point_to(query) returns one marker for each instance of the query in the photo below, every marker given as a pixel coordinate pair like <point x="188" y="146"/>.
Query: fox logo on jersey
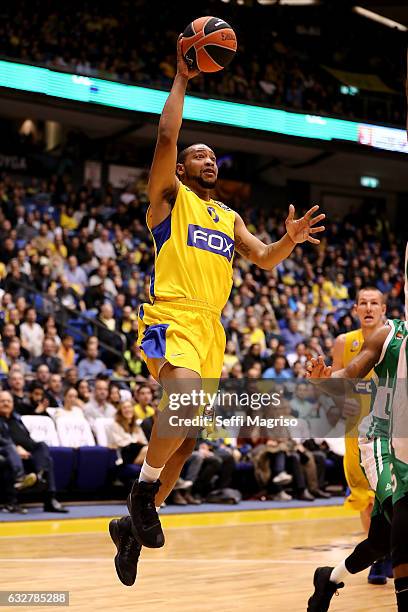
<point x="210" y="240"/>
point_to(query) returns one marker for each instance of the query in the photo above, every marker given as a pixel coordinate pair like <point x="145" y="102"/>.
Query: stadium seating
<point x="74" y="432"/>
<point x="93" y="464"/>
<point x="102" y="427"/>
<point x="41" y="429"/>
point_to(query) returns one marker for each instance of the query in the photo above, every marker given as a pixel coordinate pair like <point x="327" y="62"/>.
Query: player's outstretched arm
<point x="267" y="256"/>
<point x="163" y="183"/>
<point x="359" y="366"/>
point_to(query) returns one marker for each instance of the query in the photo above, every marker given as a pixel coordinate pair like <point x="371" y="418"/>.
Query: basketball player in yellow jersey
<point x="370" y="309"/>
<point x="180" y="332"/>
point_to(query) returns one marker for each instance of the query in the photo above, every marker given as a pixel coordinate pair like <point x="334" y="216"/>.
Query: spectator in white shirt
<point x="98" y="405"/>
<point x="128" y="436"/>
<point x="71" y="404"/>
<point x="103" y="247"/>
<point x="299" y="354"/>
<point x="31" y="333"/>
<point x="25" y="266"/>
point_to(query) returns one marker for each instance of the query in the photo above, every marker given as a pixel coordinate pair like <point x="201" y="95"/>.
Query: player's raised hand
<point x="316" y="368"/>
<point x="182" y="66"/>
<point x="302" y="230"/>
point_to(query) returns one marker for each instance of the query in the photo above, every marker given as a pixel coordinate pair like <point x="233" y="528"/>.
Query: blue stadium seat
<point x="244" y="466"/>
<point x="75" y="327"/>
<point x="243" y="479"/>
<point x="128" y="472"/>
<point x="91" y="314"/>
<point x="64" y="463"/>
<point x="38" y="302"/>
<point x="93" y="463"/>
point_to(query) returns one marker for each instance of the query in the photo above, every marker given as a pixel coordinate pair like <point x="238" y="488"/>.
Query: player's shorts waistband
<point x="185" y="303"/>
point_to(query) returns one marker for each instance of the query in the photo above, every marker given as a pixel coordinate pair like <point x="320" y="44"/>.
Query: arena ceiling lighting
<point x="379" y="18"/>
<point x="100" y="92"/>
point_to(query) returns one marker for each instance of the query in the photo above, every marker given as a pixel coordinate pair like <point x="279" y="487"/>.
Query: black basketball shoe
<point x="146" y="526"/>
<point x="128" y="549"/>
<point x="324" y="590"/>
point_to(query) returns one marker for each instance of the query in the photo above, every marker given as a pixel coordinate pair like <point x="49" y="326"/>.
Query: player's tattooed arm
<point x="266" y="256"/>
<point x="242" y="248"/>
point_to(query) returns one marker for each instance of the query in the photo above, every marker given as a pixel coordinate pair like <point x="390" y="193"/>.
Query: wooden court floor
<point x="244" y="564"/>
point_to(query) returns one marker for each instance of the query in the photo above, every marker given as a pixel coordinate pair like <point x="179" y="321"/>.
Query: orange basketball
<point x="208" y="44"/>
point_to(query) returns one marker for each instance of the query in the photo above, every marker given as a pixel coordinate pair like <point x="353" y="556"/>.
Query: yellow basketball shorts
<point x="185" y="333"/>
<point x="361" y="495"/>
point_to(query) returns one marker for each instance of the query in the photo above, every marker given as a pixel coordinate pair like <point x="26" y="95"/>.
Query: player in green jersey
<point x="383" y="442"/>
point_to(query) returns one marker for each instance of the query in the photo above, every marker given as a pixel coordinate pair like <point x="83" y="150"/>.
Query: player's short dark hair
<point x="181" y="157"/>
<point x="371" y="288"/>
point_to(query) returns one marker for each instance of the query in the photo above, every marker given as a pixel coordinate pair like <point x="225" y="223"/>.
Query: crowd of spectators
<point x="282" y="58"/>
<point x="79" y="259"/>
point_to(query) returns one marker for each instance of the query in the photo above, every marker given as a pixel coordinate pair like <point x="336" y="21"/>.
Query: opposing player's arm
<point x="163" y="183"/>
<point x="318" y="373"/>
<point x="268" y="256"/>
<point x="367" y="358"/>
<point x="338" y="352"/>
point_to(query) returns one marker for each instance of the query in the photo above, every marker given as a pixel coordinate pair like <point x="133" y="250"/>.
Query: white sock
<point x="149" y="473"/>
<point x="340" y="573"/>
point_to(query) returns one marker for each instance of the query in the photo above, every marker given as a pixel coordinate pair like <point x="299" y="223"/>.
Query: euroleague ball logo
<point x="227" y="36"/>
<point x="213" y="214"/>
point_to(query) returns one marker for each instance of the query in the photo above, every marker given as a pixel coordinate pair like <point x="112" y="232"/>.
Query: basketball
<point x="208" y="44"/>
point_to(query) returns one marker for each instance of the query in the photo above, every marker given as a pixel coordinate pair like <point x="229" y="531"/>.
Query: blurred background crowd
<point x="307" y="60"/>
<point x="75" y="265"/>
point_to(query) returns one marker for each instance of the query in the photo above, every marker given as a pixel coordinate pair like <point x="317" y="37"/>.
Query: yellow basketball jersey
<point x="352" y="347"/>
<point x="194" y="248"/>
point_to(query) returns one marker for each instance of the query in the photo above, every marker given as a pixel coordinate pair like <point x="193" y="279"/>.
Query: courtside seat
<point x="129" y="471"/>
<point x="243" y="478"/>
<point x="102" y="428"/>
<point x="41" y="429"/>
<point x="244" y="466"/>
<point x="93" y="464"/>
<point x="74" y="431"/>
<point x="64" y="464"/>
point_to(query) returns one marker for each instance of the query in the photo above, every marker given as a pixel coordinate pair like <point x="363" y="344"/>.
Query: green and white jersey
<point x="377" y="424"/>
